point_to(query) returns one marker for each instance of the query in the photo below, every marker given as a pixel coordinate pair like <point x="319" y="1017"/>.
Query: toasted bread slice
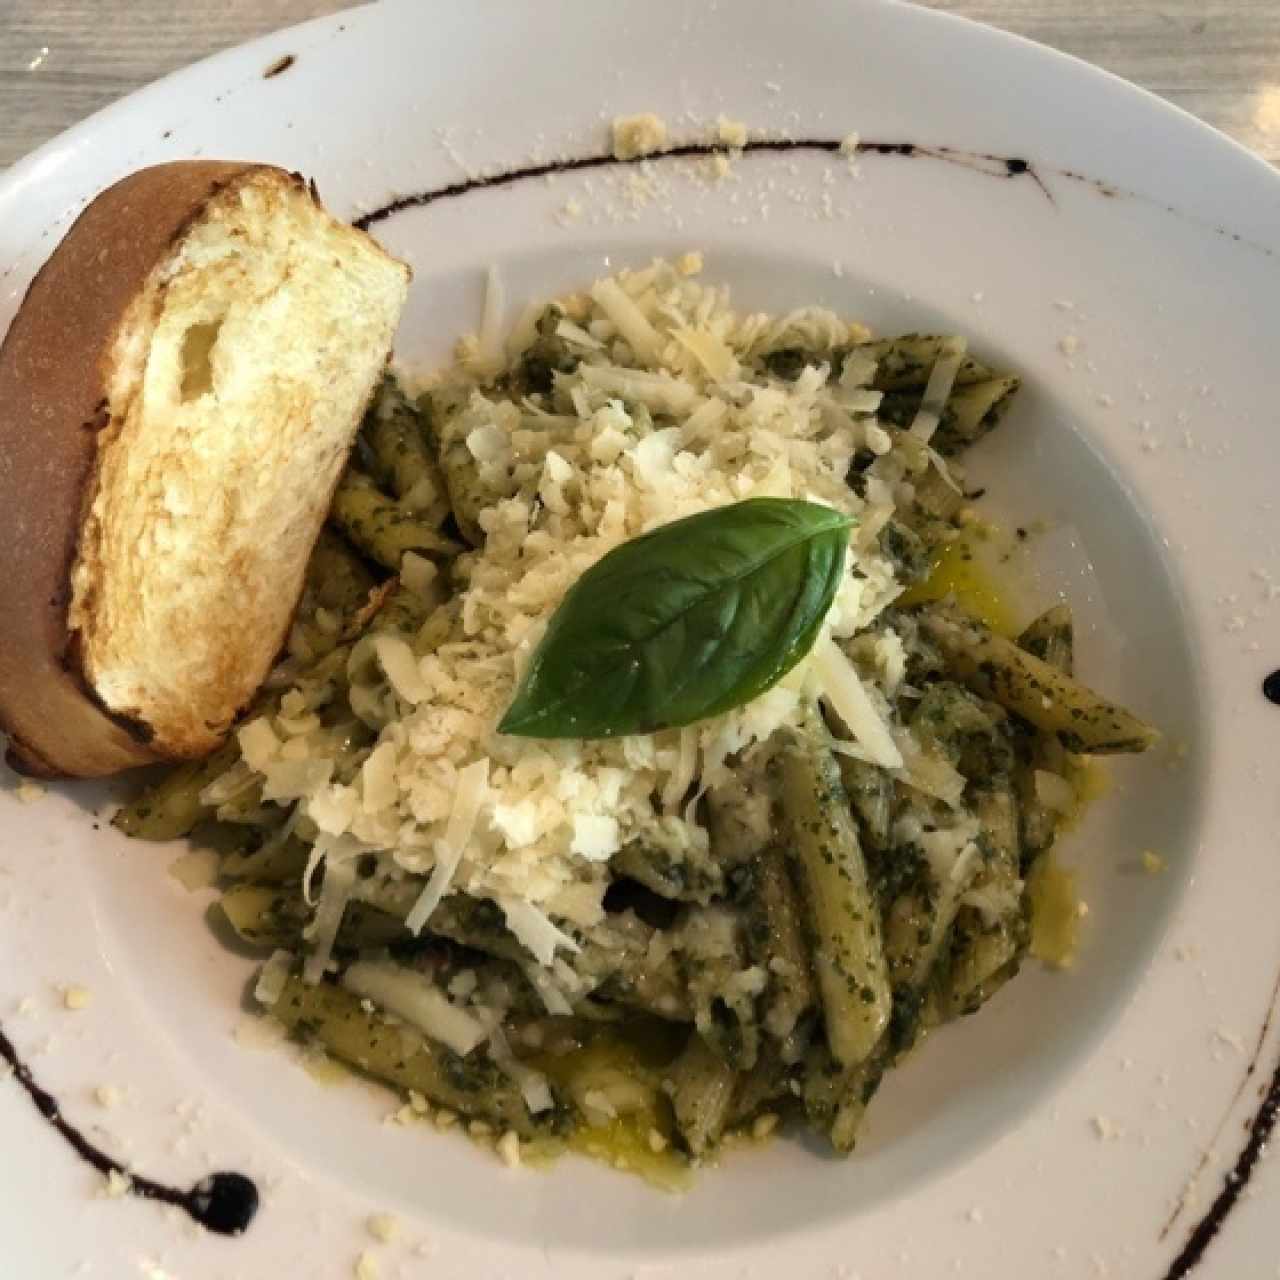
<point x="178" y="395"/>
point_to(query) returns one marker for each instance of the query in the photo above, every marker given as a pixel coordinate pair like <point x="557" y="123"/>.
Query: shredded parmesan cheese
<point x="418" y="1001"/>
<point x="938" y="389"/>
<point x="534" y="930"/>
<point x="417" y="572"/>
<point x="383" y="1226"/>
<point x="275" y="973"/>
<point x="638" y="135"/>
<point x="490" y="336"/>
<point x="339" y="877"/>
<point x="733" y="133"/>
<point x="532" y="1084"/>
<point x="657" y="419"/>
<point x="631" y="322"/>
<point x="1054" y="791"/>
<point x="711" y="353"/>
<point x="472" y="785"/>
<point x="398" y="661"/>
<point x="843" y="689"/>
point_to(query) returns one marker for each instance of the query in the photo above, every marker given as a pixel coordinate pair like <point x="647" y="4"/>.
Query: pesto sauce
<point x="960" y="569"/>
<point x="640" y="1054"/>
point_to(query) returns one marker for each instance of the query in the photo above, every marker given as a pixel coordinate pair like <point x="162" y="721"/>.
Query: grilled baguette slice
<point x="178" y="395"/>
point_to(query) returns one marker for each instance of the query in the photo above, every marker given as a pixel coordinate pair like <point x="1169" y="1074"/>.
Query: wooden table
<point x="62" y="59"/>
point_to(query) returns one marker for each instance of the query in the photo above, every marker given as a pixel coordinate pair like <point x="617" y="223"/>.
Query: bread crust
<point x="54" y="372"/>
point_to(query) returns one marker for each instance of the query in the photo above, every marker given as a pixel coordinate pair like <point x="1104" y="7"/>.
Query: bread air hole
<point x="197" y="365"/>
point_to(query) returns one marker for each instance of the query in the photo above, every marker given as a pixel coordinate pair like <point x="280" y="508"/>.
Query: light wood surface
<point x="62" y="59"/>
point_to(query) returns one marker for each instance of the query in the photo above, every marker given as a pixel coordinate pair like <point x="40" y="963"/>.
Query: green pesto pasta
<point x="638" y="946"/>
<point x="842" y="919"/>
<point x="372" y="522"/>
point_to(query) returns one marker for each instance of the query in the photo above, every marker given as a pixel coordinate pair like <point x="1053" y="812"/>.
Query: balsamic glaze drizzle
<point x="1202" y="1234"/>
<point x="979" y="161"/>
<point x="984" y="162"/>
<point x="223" y="1202"/>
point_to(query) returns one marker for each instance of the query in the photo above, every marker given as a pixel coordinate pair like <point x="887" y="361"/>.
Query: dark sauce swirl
<point x="980" y="161"/>
<point x="222" y="1202"/>
<point x="1233" y="1185"/>
<point x="1271" y="688"/>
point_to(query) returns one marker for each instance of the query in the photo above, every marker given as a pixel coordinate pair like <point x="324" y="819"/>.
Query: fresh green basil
<point x="686" y="622"/>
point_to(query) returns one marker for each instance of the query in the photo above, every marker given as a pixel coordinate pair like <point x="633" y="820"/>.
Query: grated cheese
<point x="710" y="352"/>
<point x="509" y="1149"/>
<point x="733" y="133"/>
<point x="447" y="805"/>
<point x="931" y="774"/>
<point x="552" y="996"/>
<point x="532" y="1084"/>
<point x="524" y="331"/>
<point x="941" y="379"/>
<point x="630" y="321"/>
<point x="259" y="746"/>
<point x="1054" y="791"/>
<point x="339" y="879"/>
<point x="417" y="573"/>
<point x="685" y="770"/>
<point x="595" y="836"/>
<point x="29" y="792"/>
<point x="379" y="787"/>
<point x="472" y="785"/>
<point x="489" y="339"/>
<point x="658" y="392"/>
<point x="843" y="689"/>
<point x="418" y="1001"/>
<point x="383" y="1226"/>
<point x="638" y="135"/>
<point x="271" y="980"/>
<point x="108" y="1096"/>
<point x="397" y="659"/>
<point x="535" y="930"/>
<point x="575" y="333"/>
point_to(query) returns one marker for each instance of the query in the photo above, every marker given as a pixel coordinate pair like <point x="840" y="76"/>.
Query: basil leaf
<point x="685" y="622"/>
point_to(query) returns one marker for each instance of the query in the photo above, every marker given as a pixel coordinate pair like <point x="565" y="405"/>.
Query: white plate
<point x="1057" y="1133"/>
